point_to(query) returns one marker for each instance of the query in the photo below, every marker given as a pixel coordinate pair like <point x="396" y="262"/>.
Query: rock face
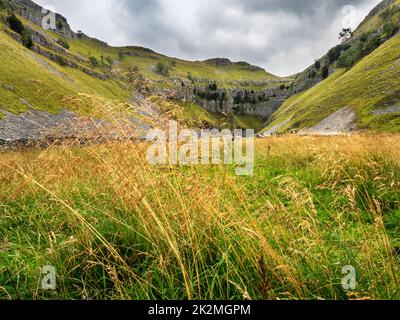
<point x="342" y="121"/>
<point x="35" y="13"/>
<point x="257" y="103"/>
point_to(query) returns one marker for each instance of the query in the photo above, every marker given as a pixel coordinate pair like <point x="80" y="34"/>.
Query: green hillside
<point x="369" y="87"/>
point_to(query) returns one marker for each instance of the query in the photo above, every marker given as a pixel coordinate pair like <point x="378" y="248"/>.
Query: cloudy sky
<point x="282" y="36"/>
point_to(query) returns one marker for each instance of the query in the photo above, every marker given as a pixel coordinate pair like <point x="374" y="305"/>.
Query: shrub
<point x="60" y="25"/>
<point x="317" y="64"/>
<point x="134" y="69"/>
<point x="334" y="53"/>
<point x="390" y="29"/>
<point x="350" y="57"/>
<point x="238" y="99"/>
<point x="325" y="72"/>
<point x="372" y="42"/>
<point x="62" y="61"/>
<point x="162" y="69"/>
<point x="15" y="24"/>
<point x="27" y="39"/>
<point x="93" y="61"/>
<point x="62" y="42"/>
<point x="3" y="4"/>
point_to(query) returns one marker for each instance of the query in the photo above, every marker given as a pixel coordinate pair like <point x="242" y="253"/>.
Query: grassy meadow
<point x="116" y="228"/>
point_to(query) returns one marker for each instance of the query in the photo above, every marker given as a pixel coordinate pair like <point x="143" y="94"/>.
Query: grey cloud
<point x="283" y="36"/>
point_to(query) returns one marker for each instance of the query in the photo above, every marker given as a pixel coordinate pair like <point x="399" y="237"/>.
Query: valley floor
<point x="116" y="228"/>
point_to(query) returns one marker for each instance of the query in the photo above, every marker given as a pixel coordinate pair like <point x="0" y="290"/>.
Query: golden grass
<point x="117" y="228"/>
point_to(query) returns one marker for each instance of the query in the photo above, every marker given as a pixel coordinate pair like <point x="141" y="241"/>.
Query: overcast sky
<point x="282" y="36"/>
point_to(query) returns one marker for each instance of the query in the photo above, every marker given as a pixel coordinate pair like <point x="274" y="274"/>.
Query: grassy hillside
<point x="28" y="79"/>
<point x="371" y="84"/>
<point x="128" y="57"/>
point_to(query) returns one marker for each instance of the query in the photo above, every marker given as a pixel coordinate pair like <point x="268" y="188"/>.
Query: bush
<point x="62" y="42"/>
<point x="367" y="44"/>
<point x="238" y="99"/>
<point x="93" y="61"/>
<point x="325" y="72"/>
<point x="60" y="25"/>
<point x="317" y="64"/>
<point x="3" y="4"/>
<point x="62" y="61"/>
<point x="162" y="69"/>
<point x="27" y="39"/>
<point x="15" y="24"/>
<point x="334" y="54"/>
<point x="350" y="57"/>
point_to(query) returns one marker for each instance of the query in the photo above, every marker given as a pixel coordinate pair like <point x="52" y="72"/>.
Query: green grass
<point x="371" y="84"/>
<point x="117" y="228"/>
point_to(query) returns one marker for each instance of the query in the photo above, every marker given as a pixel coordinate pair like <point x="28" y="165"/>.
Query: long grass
<point x="116" y="228"/>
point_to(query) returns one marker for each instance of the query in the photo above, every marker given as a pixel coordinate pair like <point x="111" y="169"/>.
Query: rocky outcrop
<point x="390" y="110"/>
<point x="342" y="121"/>
<point x="258" y="103"/>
